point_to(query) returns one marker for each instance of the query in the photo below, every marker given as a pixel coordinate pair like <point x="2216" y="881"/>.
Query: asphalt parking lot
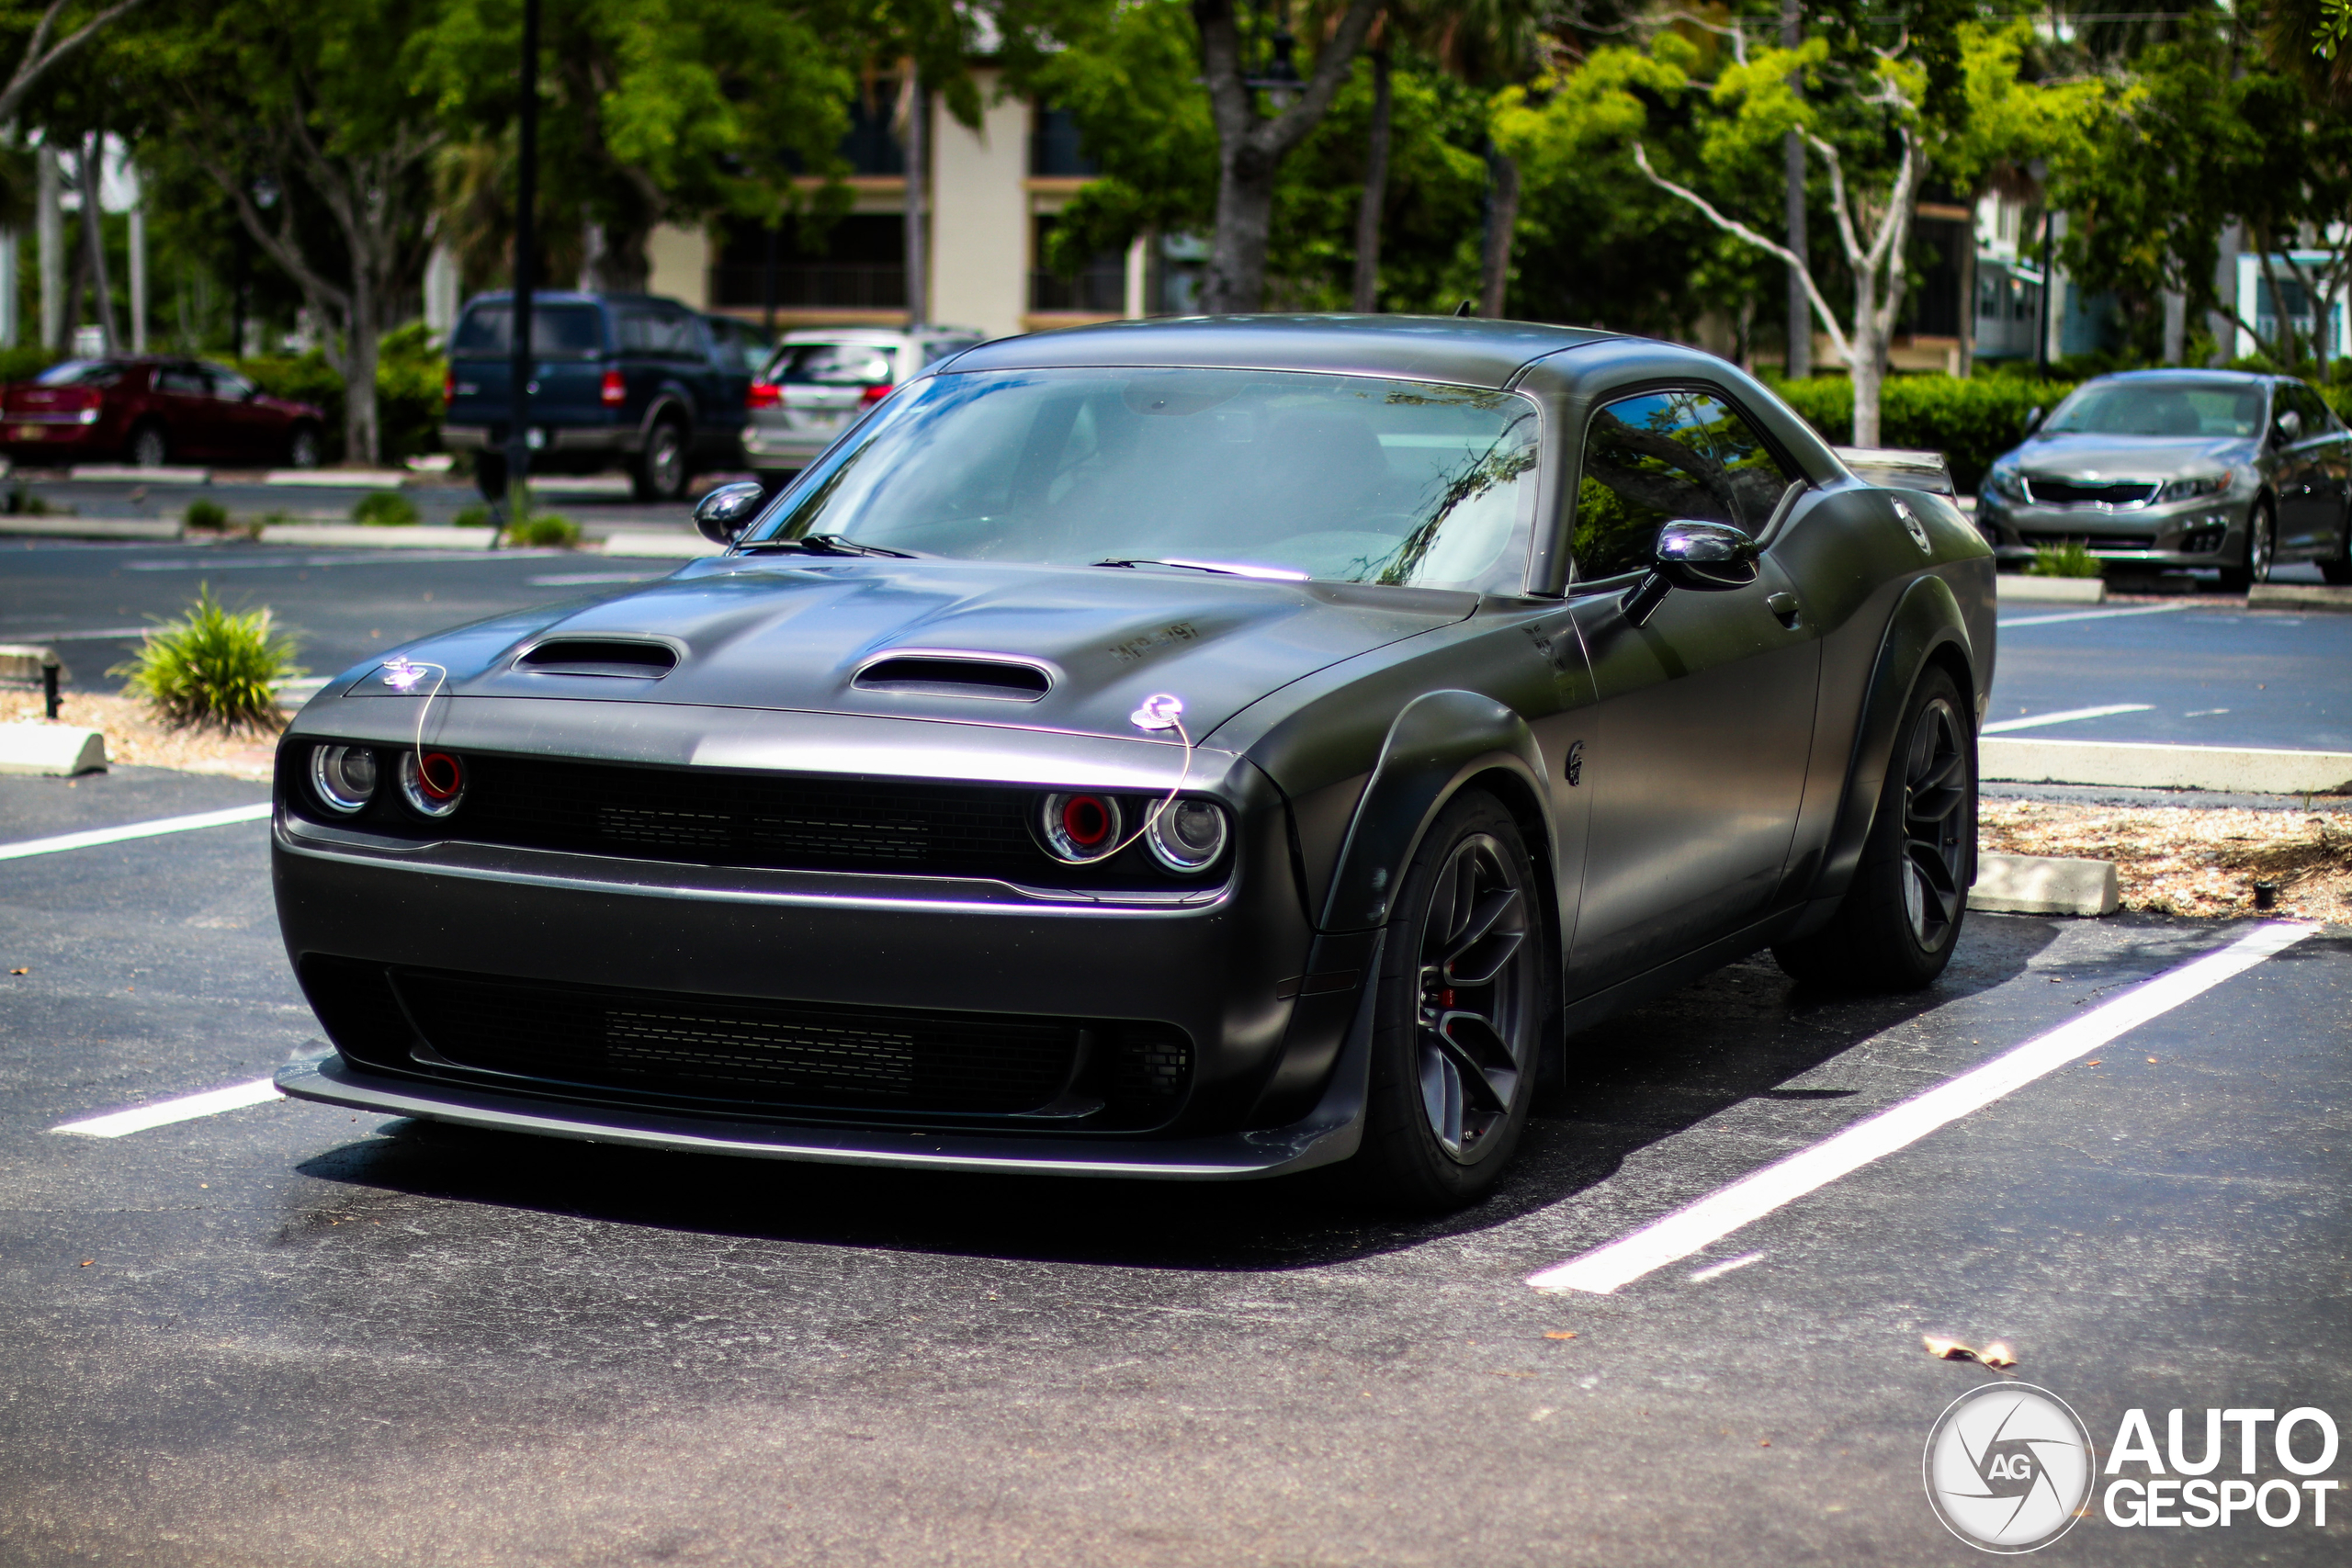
<point x="284" y="1334"/>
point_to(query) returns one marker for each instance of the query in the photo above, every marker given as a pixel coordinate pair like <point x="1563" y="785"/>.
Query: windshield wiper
<point x="827" y="545"/>
<point x="1223" y="569"/>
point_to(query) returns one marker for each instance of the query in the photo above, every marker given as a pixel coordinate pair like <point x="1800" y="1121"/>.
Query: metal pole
<point x="767" y="282"/>
<point x="526" y="196"/>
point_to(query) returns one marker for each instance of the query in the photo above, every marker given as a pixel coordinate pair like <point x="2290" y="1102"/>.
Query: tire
<point x="661" y="471"/>
<point x="1454" y="1065"/>
<point x="1900" y="920"/>
<point x="302" y="449"/>
<point x="490" y="475"/>
<point x="147" y="446"/>
<point x="2261" y="550"/>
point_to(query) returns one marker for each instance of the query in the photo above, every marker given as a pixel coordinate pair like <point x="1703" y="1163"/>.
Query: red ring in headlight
<point x="440" y="775"/>
<point x="1086" y="819"/>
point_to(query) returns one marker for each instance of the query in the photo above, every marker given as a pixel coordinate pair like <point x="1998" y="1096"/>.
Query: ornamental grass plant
<point x="546" y="528"/>
<point x="385" y="509"/>
<point x="2067" y="558"/>
<point x="213" y="668"/>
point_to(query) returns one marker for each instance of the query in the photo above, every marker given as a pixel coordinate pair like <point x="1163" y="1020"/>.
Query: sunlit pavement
<point x="283" y="1334"/>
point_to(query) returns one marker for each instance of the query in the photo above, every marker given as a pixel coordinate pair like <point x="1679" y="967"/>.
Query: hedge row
<point x="1971" y="422"/>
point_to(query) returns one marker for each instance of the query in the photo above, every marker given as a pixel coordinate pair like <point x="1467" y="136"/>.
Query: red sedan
<point x="152" y="411"/>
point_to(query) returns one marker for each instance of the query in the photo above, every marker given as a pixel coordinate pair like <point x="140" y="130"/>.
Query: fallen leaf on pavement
<point x="1559" y="1334"/>
<point x="1996" y="1355"/>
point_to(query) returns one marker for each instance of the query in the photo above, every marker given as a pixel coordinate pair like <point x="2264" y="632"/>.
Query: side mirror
<point x="2289" y="426"/>
<point x="725" y="511"/>
<point x="1703" y="557"/>
<point x="2032" y="420"/>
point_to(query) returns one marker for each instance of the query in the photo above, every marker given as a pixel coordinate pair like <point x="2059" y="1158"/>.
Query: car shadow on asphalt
<point x="1644" y="1075"/>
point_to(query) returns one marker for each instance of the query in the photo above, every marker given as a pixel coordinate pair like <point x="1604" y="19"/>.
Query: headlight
<point x="342" y="777"/>
<point x="1078" y="827"/>
<point x="2005" y="483"/>
<point x="434" y="784"/>
<point x="2190" y="489"/>
<point x="1188" y="835"/>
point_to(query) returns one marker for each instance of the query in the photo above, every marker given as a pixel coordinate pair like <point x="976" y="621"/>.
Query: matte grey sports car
<point x="1200" y="749"/>
<point x="2182" y="468"/>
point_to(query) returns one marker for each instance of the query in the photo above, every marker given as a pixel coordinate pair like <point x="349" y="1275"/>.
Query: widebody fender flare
<point x="1440" y="740"/>
<point x="1927" y="619"/>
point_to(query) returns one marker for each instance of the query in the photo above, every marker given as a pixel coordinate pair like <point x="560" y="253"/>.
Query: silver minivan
<point x="821" y="378"/>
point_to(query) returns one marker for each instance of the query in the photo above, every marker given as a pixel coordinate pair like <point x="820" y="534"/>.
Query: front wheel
<point x="2337" y="571"/>
<point x="1462" y="1002"/>
<point x="2261" y="546"/>
<point x="1900" y="920"/>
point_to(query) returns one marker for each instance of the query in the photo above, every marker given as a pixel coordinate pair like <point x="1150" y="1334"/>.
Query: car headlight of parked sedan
<point x="2005" y="483"/>
<point x="2190" y="487"/>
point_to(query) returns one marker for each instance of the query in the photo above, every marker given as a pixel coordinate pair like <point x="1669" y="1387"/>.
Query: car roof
<point x="1461" y="350"/>
<point x="878" y="335"/>
<point x="2192" y="373"/>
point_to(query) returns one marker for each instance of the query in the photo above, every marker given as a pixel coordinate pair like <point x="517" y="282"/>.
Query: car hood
<point x="2096" y="458"/>
<point x="795" y="634"/>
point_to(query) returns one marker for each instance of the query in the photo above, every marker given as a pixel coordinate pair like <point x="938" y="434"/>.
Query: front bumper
<point x="2207" y="531"/>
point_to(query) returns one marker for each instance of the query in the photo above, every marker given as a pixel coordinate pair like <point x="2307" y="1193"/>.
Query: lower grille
<point x="751" y="1055"/>
<point x="2085" y="492"/>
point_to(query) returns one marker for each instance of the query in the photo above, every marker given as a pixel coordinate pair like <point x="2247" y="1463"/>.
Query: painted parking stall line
<point x="161" y="825"/>
<point x="1701" y="1224"/>
<point x="2093" y="616"/>
<point x="163" y="1112"/>
<point x="2035" y="721"/>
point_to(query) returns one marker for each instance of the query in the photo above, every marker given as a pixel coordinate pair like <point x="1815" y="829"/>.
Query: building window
<point x="1099" y="290"/>
<point x="1054" y="150"/>
<point x="857" y="263"/>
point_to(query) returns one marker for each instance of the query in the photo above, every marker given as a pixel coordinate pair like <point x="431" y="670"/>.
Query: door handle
<point x="1784" y="609"/>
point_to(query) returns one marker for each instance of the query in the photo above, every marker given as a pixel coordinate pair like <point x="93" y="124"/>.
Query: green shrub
<point x="385" y="509"/>
<point x="23" y="502"/>
<point x="24" y="363"/>
<point x="1971" y="422"/>
<point x="209" y="515"/>
<point x="474" y="516"/>
<point x="547" y="529"/>
<point x="2067" y="558"/>
<point x="214" y="669"/>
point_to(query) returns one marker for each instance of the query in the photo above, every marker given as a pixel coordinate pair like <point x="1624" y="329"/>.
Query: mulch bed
<point x="2192" y="861"/>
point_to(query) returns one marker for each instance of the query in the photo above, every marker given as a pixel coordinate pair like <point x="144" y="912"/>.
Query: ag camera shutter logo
<point x="2009" y="1467"/>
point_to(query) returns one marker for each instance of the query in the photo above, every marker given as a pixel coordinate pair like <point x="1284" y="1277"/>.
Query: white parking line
<point x="1717" y="1270"/>
<point x="2095" y="615"/>
<point x="161" y="825"/>
<point x="163" y="1112"/>
<point x="2036" y="721"/>
<point x="582" y="579"/>
<point x="1715" y="1216"/>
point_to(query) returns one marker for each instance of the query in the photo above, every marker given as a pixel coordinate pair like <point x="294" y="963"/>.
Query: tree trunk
<point x="1375" y="188"/>
<point x="1502" y="225"/>
<point x="1797" y="361"/>
<point x="94" y="238"/>
<point x="362" y="440"/>
<point x="1236" y="280"/>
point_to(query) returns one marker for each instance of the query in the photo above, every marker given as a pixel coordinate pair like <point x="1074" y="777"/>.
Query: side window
<point x="1665" y="457"/>
<point x="666" y="334"/>
<point x="228" y="385"/>
<point x="2317" y="419"/>
<point x="182" y="379"/>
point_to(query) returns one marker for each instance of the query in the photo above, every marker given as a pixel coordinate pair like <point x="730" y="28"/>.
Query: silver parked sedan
<point x="822" y="380"/>
<point x="2214" y="468"/>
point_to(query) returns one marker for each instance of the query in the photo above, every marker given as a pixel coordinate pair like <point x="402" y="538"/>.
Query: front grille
<point x="752" y="1055"/>
<point x="2047" y="492"/>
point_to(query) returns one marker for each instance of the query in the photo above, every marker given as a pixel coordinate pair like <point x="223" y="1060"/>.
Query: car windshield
<point x="82" y="372"/>
<point x="557" y="330"/>
<point x="832" y="364"/>
<point x="1266" y="473"/>
<point x="2161" y="407"/>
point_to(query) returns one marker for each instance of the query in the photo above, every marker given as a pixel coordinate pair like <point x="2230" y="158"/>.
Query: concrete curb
<point x="360" y="536"/>
<point x="56" y="750"/>
<point x="2016" y="587"/>
<point x="125" y="473"/>
<point x="2137" y="765"/>
<point x="88" y="528"/>
<point x="2044" y="885"/>
<point x="338" y="478"/>
<point x="2297" y="596"/>
<point x="664" y="545"/>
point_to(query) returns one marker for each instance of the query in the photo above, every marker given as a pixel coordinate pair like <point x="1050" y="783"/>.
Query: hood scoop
<point x="956" y="675"/>
<point x="600" y="655"/>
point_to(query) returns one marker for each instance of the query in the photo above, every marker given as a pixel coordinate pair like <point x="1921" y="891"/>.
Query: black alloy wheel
<point x="148" y="449"/>
<point x="662" y="466"/>
<point x="1899" y="921"/>
<point x="1462" y="1006"/>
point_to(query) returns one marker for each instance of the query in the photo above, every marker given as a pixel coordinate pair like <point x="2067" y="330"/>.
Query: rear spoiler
<point x="1898" y="469"/>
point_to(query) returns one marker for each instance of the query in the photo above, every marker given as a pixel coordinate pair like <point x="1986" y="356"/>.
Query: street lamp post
<point x="526" y="150"/>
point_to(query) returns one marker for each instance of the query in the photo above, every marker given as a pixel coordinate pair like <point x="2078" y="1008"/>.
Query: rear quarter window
<point x="557" y="330"/>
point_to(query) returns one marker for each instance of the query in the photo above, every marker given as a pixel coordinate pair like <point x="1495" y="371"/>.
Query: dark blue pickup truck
<point x="628" y="381"/>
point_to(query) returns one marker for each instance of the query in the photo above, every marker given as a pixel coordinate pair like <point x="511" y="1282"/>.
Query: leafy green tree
<point x="44" y="37"/>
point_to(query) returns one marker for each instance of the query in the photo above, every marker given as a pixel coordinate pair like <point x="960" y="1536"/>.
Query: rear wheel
<point x="1901" y="919"/>
<point x="148" y="449"/>
<point x="1461" y="1002"/>
<point x="661" y="468"/>
<point x="2261" y="544"/>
